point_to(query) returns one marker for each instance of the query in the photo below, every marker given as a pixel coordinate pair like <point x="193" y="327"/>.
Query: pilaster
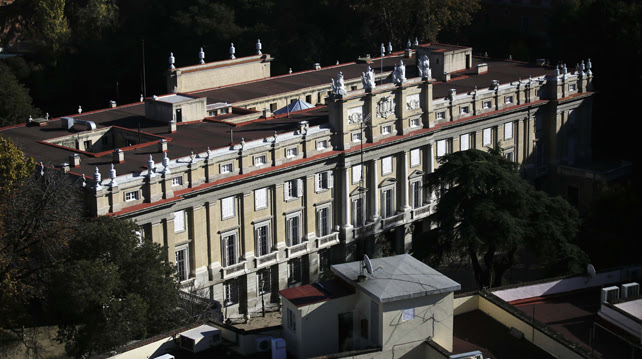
<point x="374" y="193"/>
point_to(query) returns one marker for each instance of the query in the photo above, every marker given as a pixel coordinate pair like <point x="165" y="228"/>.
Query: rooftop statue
<point x="338" y="86"/>
<point x="368" y="79"/>
<point x="399" y="74"/>
<point x="424" y="67"/>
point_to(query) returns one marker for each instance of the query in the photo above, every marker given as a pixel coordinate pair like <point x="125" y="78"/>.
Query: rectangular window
<point x="293" y="189"/>
<point x="571" y="117"/>
<point x="182" y="264"/>
<point x="323" y="181"/>
<point x="415" y="157"/>
<point x="177" y="181"/>
<point x="264" y="281"/>
<point x="510" y="155"/>
<point x="487" y="104"/>
<point x="417" y="194"/>
<point x="386" y="165"/>
<point x="322" y="145"/>
<point x="179" y="221"/>
<point x="508" y="99"/>
<point x="358" y="212"/>
<point x="323" y="222"/>
<point x="260" y="160"/>
<point x="230" y="252"/>
<point x="441" y="148"/>
<point x="356" y="137"/>
<point x="387" y="203"/>
<point x="291" y="152"/>
<point x="131" y="196"/>
<point x="291" y="320"/>
<point x="231" y="292"/>
<point x="228" y="167"/>
<point x="415" y="122"/>
<point x="385" y="130"/>
<point x="262" y="234"/>
<point x="441" y="115"/>
<point x="487" y="136"/>
<point x="293" y="229"/>
<point x="227" y="207"/>
<point x="464" y="110"/>
<point x="273" y="107"/>
<point x="295" y="271"/>
<point x="572" y="87"/>
<point x="260" y="199"/>
<point x="356" y="173"/>
<point x="464" y="142"/>
<point x="324" y="261"/>
<point x="508" y="130"/>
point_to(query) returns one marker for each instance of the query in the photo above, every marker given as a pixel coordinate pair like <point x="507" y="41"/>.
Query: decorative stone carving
<point x="338" y="86"/>
<point x="368" y="79"/>
<point x="172" y="60"/>
<point x="259" y="47"/>
<point x="355" y="115"/>
<point x="412" y="102"/>
<point x="416" y="42"/>
<point x="97" y="180"/>
<point x="399" y="74"/>
<point x="424" y="67"/>
<point x="386" y="107"/>
<point x="389" y="47"/>
<point x="408" y="45"/>
<point x="232" y="51"/>
<point x="588" y="67"/>
<point x="383" y="50"/>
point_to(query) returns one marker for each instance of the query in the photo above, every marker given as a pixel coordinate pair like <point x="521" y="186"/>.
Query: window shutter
<point x="317" y="179"/>
<point x="330" y="179"/>
<point x="463" y="142"/>
<point x="299" y="188"/>
<point x="486" y="135"/>
<point x="286" y="189"/>
<point x="415" y="157"/>
<point x="441" y="148"/>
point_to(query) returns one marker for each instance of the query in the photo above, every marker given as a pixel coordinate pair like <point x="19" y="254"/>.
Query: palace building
<point x="248" y="203"/>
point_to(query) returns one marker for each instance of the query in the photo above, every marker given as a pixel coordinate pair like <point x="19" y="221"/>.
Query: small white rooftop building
<point x="394" y="310"/>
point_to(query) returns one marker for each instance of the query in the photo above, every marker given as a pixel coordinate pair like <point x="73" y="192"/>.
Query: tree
<point x="112" y="289"/>
<point x="486" y="214"/>
<point x="51" y="28"/>
<point x="15" y="102"/>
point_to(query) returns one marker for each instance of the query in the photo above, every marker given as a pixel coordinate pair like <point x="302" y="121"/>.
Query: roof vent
<point x="118" y="156"/>
<point x="68" y="123"/>
<point x="74" y="160"/>
<point x="316" y="66"/>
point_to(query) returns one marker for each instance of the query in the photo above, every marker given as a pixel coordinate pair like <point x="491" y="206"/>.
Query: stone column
<point x="345" y="197"/>
<point x="374" y="191"/>
<point x="404" y="182"/>
<point x="199" y="244"/>
<point x="253" y="300"/>
<point x="308" y="229"/>
<point x="169" y="238"/>
<point x="246" y="232"/>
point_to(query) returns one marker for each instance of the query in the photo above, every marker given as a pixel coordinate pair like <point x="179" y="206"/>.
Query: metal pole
<point x="144" y="78"/>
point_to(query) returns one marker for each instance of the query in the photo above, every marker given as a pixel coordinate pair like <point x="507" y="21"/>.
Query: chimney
<point x="74" y="160"/>
<point x="162" y="145"/>
<point x="118" y="156"/>
<point x="65" y="167"/>
<point x="112" y="104"/>
<point x="172" y="126"/>
<point x="266" y="112"/>
<point x="316" y="66"/>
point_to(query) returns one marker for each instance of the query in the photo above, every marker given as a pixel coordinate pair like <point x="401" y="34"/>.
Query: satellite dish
<point x="591" y="271"/>
<point x="367" y="264"/>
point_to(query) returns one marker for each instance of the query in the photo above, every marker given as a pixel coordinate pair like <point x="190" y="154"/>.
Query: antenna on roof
<point x="367" y="265"/>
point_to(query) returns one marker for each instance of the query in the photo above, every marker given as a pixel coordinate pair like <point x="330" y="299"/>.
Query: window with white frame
<point x="417" y="194"/>
<point x="228" y="167"/>
<point x="295" y="271"/>
<point x="464" y="110"/>
<point x="415" y="157"/>
<point x="132" y="196"/>
<point x="227" y="207"/>
<point x="262" y="236"/>
<point x="510" y="155"/>
<point x="508" y="99"/>
<point x="293" y="229"/>
<point x="508" y="130"/>
<point x="356" y="137"/>
<point x="386" y="130"/>
<point x="441" y="115"/>
<point x="356" y="173"/>
<point x="442" y="148"/>
<point x="386" y="165"/>
<point x="464" y="142"/>
<point x="323" y="181"/>
<point x="487" y="104"/>
<point x="324" y="224"/>
<point x="231" y="292"/>
<point x="264" y="281"/>
<point x="572" y="87"/>
<point x="293" y="189"/>
<point x="260" y="198"/>
<point x="179" y="221"/>
<point x="229" y="243"/>
<point x="322" y="144"/>
<point x="291" y="320"/>
<point x="182" y="263"/>
<point x="260" y="160"/>
<point x="415" y="122"/>
<point x="291" y="152"/>
<point x="177" y="181"/>
<point x="358" y="212"/>
<point x="487" y="136"/>
<point x="387" y="202"/>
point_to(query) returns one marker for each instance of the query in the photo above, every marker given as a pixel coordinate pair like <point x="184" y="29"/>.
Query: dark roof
<point x="315" y="293"/>
<point x="444" y="47"/>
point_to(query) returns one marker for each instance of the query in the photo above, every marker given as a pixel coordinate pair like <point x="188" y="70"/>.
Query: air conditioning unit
<point x="263" y="344"/>
<point x="278" y="348"/>
<point x="610" y="293"/>
<point x="630" y="290"/>
<point x="200" y="338"/>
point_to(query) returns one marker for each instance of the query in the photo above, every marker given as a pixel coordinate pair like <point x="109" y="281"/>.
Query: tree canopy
<point x="486" y="213"/>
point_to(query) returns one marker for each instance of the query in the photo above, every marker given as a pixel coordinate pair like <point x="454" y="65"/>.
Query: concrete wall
<point x="618" y="317"/>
